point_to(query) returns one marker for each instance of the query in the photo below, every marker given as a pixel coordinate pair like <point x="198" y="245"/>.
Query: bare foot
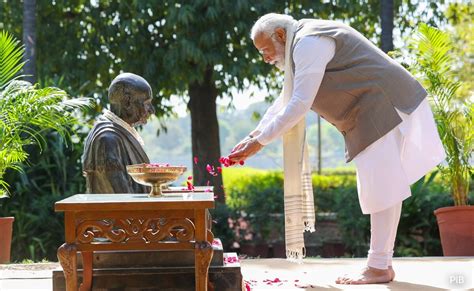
<point x="368" y="275"/>
<point x="392" y="273"/>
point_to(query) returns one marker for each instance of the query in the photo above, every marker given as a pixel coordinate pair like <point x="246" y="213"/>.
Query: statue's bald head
<point x="126" y="84"/>
<point x="128" y="95"/>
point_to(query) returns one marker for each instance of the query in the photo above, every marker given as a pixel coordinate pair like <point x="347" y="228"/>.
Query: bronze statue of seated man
<point x="113" y="142"/>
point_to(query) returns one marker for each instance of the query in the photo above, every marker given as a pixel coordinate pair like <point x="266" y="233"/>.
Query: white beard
<point x="280" y="64"/>
<point x="279" y="61"/>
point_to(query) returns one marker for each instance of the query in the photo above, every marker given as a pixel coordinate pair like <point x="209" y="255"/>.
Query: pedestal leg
<point x="67" y="258"/>
<point x="203" y="256"/>
<point x="86" y="271"/>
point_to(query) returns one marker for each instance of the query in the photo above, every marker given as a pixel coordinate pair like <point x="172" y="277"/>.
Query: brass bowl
<point x="154" y="176"/>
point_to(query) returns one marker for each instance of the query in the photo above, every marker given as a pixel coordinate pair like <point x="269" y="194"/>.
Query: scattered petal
<point x="158" y="165"/>
<point x="247" y="286"/>
<point x="210" y="169"/>
<point x="190" y="185"/>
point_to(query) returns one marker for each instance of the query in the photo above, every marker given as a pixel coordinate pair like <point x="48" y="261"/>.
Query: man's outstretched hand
<point x="245" y="149"/>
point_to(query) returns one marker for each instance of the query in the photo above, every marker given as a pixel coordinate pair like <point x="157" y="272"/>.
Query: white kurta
<point x="387" y="168"/>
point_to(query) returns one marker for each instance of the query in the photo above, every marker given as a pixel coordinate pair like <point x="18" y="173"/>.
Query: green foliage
<point x="26" y="111"/>
<point x="222" y="227"/>
<point x="236" y="179"/>
<point x="454" y="116"/>
<point x="260" y="210"/>
<point x="53" y="174"/>
<point x="11" y="54"/>
<point x="418" y="233"/>
<point x="257" y="199"/>
<point x="461" y="31"/>
<point x="34" y="121"/>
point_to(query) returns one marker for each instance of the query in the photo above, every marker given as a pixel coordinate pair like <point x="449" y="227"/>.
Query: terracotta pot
<point x="456" y="229"/>
<point x="6" y="226"/>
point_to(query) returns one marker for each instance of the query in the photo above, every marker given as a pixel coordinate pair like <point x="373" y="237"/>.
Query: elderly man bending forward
<point x="379" y="108"/>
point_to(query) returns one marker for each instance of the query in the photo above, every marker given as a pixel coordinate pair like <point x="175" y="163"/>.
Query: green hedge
<point x="254" y="198"/>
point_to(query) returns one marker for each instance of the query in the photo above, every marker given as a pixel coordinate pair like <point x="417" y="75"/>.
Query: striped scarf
<point x="298" y="189"/>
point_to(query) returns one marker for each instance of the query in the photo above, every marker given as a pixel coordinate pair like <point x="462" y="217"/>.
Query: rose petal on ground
<point x="247" y="286"/>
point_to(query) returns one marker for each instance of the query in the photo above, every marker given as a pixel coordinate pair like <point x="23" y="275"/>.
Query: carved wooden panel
<point x="146" y="230"/>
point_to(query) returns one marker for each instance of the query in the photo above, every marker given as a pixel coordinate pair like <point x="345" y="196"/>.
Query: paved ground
<point x="434" y="273"/>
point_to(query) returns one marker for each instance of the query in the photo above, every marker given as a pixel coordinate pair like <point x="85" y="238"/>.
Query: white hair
<point x="269" y="22"/>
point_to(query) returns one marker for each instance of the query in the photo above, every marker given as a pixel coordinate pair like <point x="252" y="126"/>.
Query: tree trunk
<point x="205" y="133"/>
<point x="386" y="16"/>
<point x="29" y="39"/>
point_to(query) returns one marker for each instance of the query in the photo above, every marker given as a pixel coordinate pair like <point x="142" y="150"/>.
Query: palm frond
<point x="11" y="55"/>
<point x="454" y="118"/>
<point x="28" y="113"/>
<point x="80" y="102"/>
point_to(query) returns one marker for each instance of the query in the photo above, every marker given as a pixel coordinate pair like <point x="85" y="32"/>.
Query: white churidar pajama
<point x="385" y="169"/>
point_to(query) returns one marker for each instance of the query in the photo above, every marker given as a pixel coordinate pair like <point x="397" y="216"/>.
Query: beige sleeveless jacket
<point x="361" y="87"/>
